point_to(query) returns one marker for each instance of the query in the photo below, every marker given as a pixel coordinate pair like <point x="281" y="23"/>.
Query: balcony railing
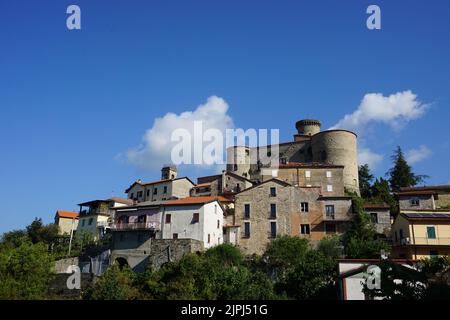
<point x="135" y="226"/>
<point x="443" y="241"/>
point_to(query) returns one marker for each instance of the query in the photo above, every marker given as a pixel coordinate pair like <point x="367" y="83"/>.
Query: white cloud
<point x="156" y="146"/>
<point x="394" y="110"/>
<point x="366" y="156"/>
<point x="417" y="155"/>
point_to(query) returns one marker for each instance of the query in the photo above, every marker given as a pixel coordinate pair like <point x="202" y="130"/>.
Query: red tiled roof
<point x="196" y="200"/>
<point x="67" y="214"/>
<point x="200" y="185"/>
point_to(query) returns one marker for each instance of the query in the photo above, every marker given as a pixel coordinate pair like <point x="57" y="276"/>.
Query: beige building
<point x="422" y="229"/>
<point x="226" y="183"/>
<point x="275" y="207"/>
<point x="168" y="188"/>
<point x="328" y="177"/>
<point x="421" y="235"/>
<point x="66" y="221"/>
<point x="96" y="216"/>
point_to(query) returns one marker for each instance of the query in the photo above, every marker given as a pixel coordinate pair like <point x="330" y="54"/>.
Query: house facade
<point x="275" y="207"/>
<point x="197" y="218"/>
<point x="160" y="190"/>
<point x="67" y="221"/>
<point x="96" y="216"/>
<point x="422" y="229"/>
<point x="380" y="215"/>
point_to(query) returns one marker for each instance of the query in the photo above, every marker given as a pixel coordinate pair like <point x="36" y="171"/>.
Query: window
<point x="209" y="238"/>
<point x="247" y="211"/>
<point x="396" y="236"/>
<point x="374" y="217"/>
<point x="90" y="221"/>
<point x="304" y="229"/>
<point x="273" y="192"/>
<point x="175" y="236"/>
<point x="283" y="160"/>
<point x="142" y="218"/>
<point x="195" y="218"/>
<point x="247" y="230"/>
<point x="273" y="229"/>
<point x="148" y="193"/>
<point x="238" y="187"/>
<point x="329" y="188"/>
<point x="165" y="189"/>
<point x="329" y="175"/>
<point x="132" y="196"/>
<point x="218" y="224"/>
<point x="304" y="207"/>
<point x="139" y="194"/>
<point x="168" y="218"/>
<point x="307" y="174"/>
<point x="330" y="228"/>
<point x="273" y="211"/>
<point x="235" y="167"/>
<point x="401" y="234"/>
<point x="155" y="191"/>
<point x="431" y="232"/>
<point x="329" y="209"/>
<point x="415" y="201"/>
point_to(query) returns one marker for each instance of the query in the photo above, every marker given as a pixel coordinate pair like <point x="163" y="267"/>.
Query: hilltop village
<point x="308" y="195"/>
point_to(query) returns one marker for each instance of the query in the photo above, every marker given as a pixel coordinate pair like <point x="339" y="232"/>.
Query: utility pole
<point x="71" y="236"/>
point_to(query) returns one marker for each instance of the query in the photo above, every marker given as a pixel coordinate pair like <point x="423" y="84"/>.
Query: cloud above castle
<point x="395" y="111"/>
<point x="156" y="146"/>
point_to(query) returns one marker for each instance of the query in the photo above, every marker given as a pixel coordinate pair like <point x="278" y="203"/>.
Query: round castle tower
<point x="338" y="147"/>
<point x="238" y="160"/>
<point x="308" y="127"/>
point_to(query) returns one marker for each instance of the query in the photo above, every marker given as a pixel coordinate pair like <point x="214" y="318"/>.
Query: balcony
<point x="135" y="226"/>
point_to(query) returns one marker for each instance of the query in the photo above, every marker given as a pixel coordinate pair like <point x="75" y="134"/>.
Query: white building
<point x="199" y="218"/>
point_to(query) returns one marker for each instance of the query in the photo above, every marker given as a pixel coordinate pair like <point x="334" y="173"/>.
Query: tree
<point x="283" y="254"/>
<point x="25" y="271"/>
<point x="401" y="174"/>
<point x="38" y="232"/>
<point x="311" y="275"/>
<point x="361" y="239"/>
<point x="13" y="239"/>
<point x="365" y="180"/>
<point x="330" y="246"/>
<point x="114" y="284"/>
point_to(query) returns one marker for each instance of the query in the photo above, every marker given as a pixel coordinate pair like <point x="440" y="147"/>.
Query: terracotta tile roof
<point x="201" y="185"/>
<point x="67" y="214"/>
<point x="195" y="200"/>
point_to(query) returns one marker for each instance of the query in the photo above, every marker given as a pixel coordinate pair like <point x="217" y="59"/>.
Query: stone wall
<point x="425" y="202"/>
<point x="155" y="252"/>
<point x="259" y="199"/>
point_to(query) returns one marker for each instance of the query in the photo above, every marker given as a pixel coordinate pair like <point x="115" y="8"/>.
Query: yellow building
<point x="421" y="235"/>
<point x="66" y="221"/>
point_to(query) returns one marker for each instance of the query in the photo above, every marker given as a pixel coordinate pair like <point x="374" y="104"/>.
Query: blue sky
<point x="72" y="101"/>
